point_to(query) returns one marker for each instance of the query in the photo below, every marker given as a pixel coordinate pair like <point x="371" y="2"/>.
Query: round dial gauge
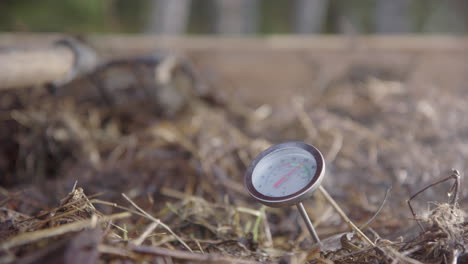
<point x="285" y="174"/>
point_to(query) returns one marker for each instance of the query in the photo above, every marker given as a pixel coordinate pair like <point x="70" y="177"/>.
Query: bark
<point x="309" y="16"/>
<point x="169" y="17"/>
<point x="393" y="16"/>
<point x="237" y="17"/>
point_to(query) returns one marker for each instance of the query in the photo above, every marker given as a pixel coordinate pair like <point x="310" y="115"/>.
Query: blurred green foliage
<point x="72" y="15"/>
<point x="53" y="15"/>
<point x="275" y="16"/>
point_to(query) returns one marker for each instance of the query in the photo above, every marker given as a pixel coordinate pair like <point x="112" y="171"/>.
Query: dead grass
<point x="167" y="188"/>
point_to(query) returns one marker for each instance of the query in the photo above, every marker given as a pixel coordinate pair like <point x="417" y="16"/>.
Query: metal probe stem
<point x="308" y="223"/>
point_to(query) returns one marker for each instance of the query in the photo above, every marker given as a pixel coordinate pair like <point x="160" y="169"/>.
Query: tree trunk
<point x="446" y="16"/>
<point x="169" y="17"/>
<point x="237" y="17"/>
<point x="309" y="16"/>
<point x="393" y="16"/>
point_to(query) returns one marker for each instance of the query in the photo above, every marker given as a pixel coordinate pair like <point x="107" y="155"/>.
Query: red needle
<point x="284" y="178"/>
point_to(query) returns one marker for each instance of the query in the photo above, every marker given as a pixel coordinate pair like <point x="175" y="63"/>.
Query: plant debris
<point x="155" y="184"/>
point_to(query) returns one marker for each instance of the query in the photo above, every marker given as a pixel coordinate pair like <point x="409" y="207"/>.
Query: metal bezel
<point x="292" y="198"/>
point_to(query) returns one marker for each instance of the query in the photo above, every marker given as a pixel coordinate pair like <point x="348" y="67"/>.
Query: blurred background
<point x="238" y="17"/>
<point x="94" y="95"/>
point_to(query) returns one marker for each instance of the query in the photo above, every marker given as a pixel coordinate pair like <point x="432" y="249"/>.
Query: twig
<point x="145" y="234"/>
<point x="453" y="192"/>
<point x="397" y="256"/>
<point x="180" y="254"/>
<point x="157" y="221"/>
<point x="29" y="237"/>
<point x="121" y="252"/>
<point x="199" y="246"/>
<point x="344" y="216"/>
<point x="364" y="226"/>
<point x="74" y="186"/>
<point x="411" y="250"/>
<point x="246" y="210"/>
<point x="97" y="201"/>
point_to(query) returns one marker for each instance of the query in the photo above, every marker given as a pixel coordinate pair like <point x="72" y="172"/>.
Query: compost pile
<point x="141" y="161"/>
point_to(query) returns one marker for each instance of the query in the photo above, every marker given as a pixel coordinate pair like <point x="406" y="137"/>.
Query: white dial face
<point x="284" y="172"/>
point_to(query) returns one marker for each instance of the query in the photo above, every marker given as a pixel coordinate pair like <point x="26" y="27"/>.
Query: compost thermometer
<point x="285" y="175"/>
